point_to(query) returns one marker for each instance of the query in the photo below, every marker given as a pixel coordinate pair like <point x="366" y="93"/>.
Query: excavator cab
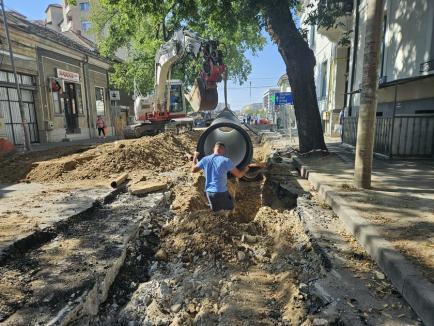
<point x="175" y="97"/>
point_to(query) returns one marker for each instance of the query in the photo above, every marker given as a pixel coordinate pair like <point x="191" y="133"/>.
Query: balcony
<point x="342" y="24"/>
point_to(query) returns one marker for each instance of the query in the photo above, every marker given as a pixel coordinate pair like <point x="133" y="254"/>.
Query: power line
<point x="248" y="87"/>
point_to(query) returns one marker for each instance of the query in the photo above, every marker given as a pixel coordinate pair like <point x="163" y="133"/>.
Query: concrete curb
<point x="409" y="281"/>
<point x="27" y="241"/>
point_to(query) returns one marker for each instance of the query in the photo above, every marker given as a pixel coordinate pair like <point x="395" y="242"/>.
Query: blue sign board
<point x="283" y="98"/>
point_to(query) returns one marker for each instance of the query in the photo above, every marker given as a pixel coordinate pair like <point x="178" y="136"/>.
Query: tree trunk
<point x="368" y="96"/>
<point x="300" y="63"/>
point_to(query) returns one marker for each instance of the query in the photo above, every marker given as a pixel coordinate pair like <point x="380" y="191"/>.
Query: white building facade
<point x="285" y="113"/>
<point x="331" y="70"/>
<point x="405" y="111"/>
<point x="268" y="102"/>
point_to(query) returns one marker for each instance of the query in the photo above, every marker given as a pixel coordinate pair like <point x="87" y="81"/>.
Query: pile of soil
<point x="15" y="167"/>
<point x="161" y="153"/>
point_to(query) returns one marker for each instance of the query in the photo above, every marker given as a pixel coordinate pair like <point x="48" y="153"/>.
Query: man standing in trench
<point x="216" y="167"/>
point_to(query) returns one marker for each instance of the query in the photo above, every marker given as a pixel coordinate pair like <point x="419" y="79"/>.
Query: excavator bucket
<point x="202" y="98"/>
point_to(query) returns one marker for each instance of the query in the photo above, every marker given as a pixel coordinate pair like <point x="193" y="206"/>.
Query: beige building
<point x="65" y="85"/>
<point x="74" y="21"/>
<point x="268" y="103"/>
<point x="70" y="18"/>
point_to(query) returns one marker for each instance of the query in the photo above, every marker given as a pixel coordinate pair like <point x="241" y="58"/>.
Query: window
<point x="84" y="6"/>
<point x="3" y="76"/>
<point x="8" y="77"/>
<point x="85" y="25"/>
<point x="323" y="85"/>
<point x="56" y="102"/>
<point x="99" y="99"/>
<point x="176" y="99"/>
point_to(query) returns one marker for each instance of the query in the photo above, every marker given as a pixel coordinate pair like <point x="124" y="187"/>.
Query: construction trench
<point x="281" y="258"/>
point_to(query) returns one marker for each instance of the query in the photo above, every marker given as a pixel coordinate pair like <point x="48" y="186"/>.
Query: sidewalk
<point x="400" y="204"/>
<point x="30" y="209"/>
<point x="398" y="212"/>
<point x="82" y="142"/>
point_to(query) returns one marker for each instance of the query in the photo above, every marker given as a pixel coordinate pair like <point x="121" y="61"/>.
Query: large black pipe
<point x="227" y="129"/>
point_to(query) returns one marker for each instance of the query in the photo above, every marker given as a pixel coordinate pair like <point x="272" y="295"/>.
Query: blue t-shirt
<point x="216" y="168"/>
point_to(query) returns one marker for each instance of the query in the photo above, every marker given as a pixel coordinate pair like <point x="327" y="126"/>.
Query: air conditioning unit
<point x="382" y="80"/>
<point x="49" y="125"/>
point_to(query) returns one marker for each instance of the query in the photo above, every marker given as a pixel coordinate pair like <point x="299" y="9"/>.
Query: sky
<point x="267" y="65"/>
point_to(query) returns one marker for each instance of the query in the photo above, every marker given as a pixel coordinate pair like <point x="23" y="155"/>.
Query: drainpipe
<point x="393" y="121"/>
<point x="85" y="82"/>
<point x="227" y="129"/>
<point x="353" y="67"/>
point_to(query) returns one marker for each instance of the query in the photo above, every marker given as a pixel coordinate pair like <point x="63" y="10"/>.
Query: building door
<point x="71" y="109"/>
<point x="10" y="108"/>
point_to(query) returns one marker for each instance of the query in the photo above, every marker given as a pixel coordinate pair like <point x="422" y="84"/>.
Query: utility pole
<point x="27" y="146"/>
<point x="368" y="96"/>
<point x="250" y="86"/>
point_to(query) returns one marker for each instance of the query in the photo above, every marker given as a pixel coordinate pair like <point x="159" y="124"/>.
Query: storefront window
<point x="3" y="76"/>
<point x="8" y="77"/>
<point x="56" y="102"/>
<point x="99" y="96"/>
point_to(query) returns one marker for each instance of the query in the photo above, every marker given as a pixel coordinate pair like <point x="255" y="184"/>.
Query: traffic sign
<point x="115" y="95"/>
<point x="283" y="98"/>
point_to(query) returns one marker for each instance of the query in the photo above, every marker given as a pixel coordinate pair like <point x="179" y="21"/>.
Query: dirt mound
<point x="189" y="195"/>
<point x="161" y="153"/>
<point x="15" y="167"/>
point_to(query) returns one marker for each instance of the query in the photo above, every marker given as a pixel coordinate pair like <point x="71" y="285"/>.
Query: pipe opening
<point x="238" y="145"/>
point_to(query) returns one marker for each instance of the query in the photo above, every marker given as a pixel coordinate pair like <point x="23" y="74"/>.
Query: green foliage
<point x="325" y="13"/>
<point x="141" y="26"/>
<point x="255" y="109"/>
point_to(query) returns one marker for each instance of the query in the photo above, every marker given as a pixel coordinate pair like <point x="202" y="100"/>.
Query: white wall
<point x="409" y="36"/>
<point x="408" y="41"/>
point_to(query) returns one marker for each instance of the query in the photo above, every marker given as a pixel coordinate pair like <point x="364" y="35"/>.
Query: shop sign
<point x="68" y="75"/>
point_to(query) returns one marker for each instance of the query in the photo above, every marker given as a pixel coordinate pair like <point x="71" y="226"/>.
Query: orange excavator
<point x="166" y="109"/>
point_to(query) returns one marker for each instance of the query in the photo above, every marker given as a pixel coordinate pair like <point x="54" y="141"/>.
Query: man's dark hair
<point x="220" y="144"/>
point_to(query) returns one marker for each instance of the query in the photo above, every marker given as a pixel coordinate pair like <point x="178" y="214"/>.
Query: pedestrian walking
<point x="101" y="125"/>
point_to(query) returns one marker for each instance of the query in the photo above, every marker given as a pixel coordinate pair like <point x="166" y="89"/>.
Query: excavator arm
<point x="203" y="95"/>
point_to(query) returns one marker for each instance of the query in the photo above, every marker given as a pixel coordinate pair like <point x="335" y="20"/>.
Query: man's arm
<point x="239" y="173"/>
<point x="195" y="168"/>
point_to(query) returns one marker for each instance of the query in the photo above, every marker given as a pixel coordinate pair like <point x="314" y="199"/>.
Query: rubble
<point x="190" y="266"/>
<point x="144" y="187"/>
